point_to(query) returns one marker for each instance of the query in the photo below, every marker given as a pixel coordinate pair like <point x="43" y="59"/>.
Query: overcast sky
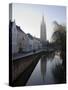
<point x="29" y="16"/>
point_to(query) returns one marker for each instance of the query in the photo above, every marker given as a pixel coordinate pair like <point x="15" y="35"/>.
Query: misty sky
<point x="29" y="16"/>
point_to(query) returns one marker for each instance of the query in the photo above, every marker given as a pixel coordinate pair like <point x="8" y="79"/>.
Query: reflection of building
<point x="43" y="31"/>
<point x="43" y="66"/>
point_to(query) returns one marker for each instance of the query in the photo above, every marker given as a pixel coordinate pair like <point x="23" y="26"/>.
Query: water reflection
<point x="43" y="62"/>
<point x="43" y="72"/>
<point x="46" y="69"/>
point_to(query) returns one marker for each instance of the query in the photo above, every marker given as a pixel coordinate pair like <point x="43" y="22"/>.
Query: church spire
<point x="43" y="30"/>
<point x="43" y="21"/>
<point x="43" y="18"/>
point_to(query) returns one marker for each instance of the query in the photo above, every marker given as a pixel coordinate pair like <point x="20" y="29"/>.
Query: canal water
<point x="43" y="72"/>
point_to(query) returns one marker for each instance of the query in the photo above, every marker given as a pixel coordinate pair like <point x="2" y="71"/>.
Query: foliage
<point x="59" y="35"/>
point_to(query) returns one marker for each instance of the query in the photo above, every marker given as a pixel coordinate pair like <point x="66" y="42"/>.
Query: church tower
<point x="43" y="31"/>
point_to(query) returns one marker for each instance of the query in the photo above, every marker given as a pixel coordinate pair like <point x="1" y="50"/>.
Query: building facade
<point x="19" y="39"/>
<point x="36" y="43"/>
<point x="14" y="38"/>
<point x="22" y="42"/>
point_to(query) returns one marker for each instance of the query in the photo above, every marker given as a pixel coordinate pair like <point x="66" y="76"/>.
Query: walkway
<point x="19" y="56"/>
<point x="22" y="55"/>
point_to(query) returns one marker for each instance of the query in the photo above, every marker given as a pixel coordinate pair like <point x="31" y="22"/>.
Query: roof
<point x="29" y="35"/>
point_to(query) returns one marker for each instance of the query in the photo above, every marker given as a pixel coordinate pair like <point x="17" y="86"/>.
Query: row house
<point x="22" y="42"/>
<point x="19" y="39"/>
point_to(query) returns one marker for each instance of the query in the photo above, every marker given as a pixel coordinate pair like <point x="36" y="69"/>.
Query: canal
<point x="44" y="71"/>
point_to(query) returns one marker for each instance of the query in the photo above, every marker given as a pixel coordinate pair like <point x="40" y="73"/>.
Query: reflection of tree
<point x="43" y="66"/>
<point x="59" y="75"/>
<point x="51" y="55"/>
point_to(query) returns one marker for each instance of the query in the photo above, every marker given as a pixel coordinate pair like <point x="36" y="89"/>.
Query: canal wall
<point x="21" y="65"/>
